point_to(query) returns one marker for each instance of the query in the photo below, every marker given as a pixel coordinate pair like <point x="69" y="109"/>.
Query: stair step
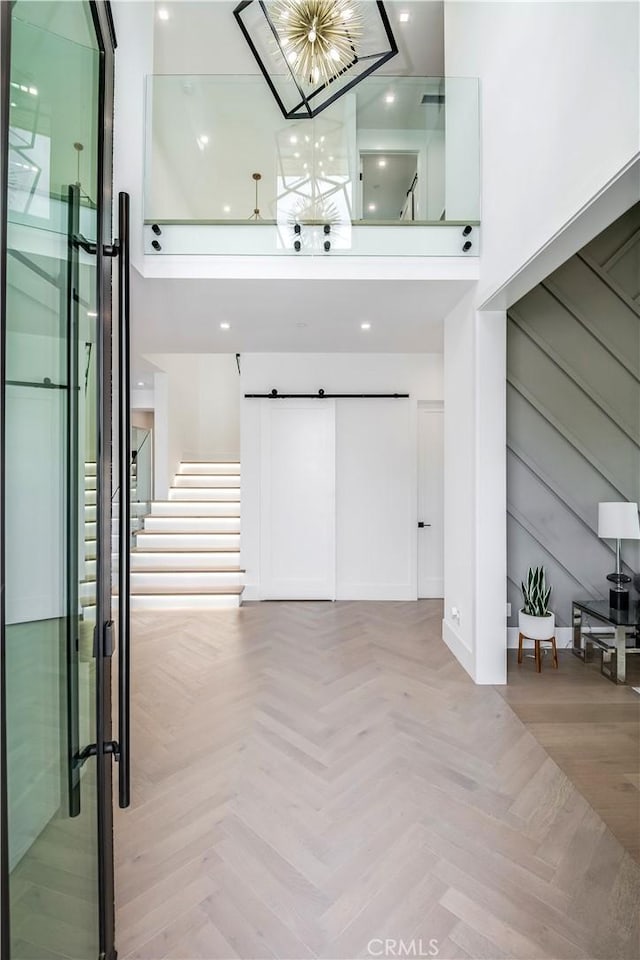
<point x="194" y="559"/>
<point x="178" y="524"/>
<point x="211" y="468"/>
<point x="206" y="480"/>
<point x="204" y="549"/>
<point x="149" y="568"/>
<point x="204" y="493"/>
<point x="168" y="581"/>
<point x="185" y="601"/>
<point x="195" y="508"/>
<point x="186" y="590"/>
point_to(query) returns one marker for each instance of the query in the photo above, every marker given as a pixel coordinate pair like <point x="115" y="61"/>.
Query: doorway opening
<point x="389" y="185"/>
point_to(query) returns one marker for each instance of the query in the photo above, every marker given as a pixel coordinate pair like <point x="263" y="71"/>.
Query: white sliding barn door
<point x="298" y="489"/>
<point x="431" y="502"/>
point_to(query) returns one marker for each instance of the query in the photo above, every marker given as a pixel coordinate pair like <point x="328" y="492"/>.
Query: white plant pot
<point x="537" y="628"/>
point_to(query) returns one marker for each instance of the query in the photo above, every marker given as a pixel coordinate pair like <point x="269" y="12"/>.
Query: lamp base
<point x="619" y="599"/>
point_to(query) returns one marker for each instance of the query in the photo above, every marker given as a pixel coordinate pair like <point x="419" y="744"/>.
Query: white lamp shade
<point x="618" y="521"/>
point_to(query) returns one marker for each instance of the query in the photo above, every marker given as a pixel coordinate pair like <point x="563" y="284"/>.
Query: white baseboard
<point x="251" y="592"/>
<point x="376" y="591"/>
<point x="564" y="638"/>
<point x="458" y="647"/>
<point x="432" y="589"/>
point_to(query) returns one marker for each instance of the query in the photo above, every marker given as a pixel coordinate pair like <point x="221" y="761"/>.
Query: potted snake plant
<point x="535" y="620"/>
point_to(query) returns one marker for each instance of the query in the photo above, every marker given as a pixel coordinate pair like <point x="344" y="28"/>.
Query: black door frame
<point x="106" y="39"/>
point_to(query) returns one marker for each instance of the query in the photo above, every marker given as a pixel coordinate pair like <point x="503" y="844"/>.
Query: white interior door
<point x="430" y="502"/>
<point x="298" y="491"/>
<point x="376" y="499"/>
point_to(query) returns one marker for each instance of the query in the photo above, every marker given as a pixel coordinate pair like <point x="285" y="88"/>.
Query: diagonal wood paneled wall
<point x="573" y="416"/>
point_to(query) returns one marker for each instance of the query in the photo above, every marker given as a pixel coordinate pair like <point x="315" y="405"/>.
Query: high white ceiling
<point x="201" y="36"/>
<point x="184" y="316"/>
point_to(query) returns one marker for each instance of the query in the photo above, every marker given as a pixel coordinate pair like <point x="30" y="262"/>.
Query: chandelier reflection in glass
<point x="311" y="52"/>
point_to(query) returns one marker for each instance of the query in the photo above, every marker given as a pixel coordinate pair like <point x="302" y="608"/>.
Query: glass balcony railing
<point x="392" y="167"/>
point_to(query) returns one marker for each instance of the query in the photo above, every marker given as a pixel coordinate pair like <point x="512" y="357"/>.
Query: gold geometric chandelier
<point x="319" y="37"/>
<point x="311" y="52"/>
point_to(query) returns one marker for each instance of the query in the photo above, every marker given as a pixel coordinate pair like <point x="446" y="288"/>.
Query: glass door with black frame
<point x="52" y="457"/>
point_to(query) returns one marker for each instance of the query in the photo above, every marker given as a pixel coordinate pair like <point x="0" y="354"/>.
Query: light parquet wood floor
<point x="311" y="777"/>
<point x="591" y="728"/>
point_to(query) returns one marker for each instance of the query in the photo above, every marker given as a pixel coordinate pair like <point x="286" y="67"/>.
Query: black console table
<point x="616" y="633"/>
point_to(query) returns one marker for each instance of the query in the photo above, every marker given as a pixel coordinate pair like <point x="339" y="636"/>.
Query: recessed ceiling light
<point x="331" y="158"/>
<point x="293" y="138"/>
<point x="297" y="155"/>
<point x="141" y="383"/>
<point x="382" y="162"/>
<point x="371" y="207"/>
<point x="404" y="17"/>
<point x="226" y="208"/>
<point x="204" y="138"/>
<point x="365" y="326"/>
<point x="225" y="326"/>
<point x="163" y="14"/>
<point x="390" y="98"/>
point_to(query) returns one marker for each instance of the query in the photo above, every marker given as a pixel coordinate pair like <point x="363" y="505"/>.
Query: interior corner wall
<point x="359" y="576"/>
<point x="197" y="409"/>
<point x="459" y="482"/>
<point x="560" y="87"/>
<point x="134" y="24"/>
<point x="474" y="625"/>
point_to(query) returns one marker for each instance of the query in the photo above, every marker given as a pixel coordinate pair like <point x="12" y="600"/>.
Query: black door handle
<point x="124" y="522"/>
<point x="422" y="524"/>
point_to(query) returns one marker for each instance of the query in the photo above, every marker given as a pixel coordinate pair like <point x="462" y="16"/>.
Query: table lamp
<point x="618" y="521"/>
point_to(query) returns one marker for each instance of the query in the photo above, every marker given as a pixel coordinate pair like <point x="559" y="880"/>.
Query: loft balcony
<point x="389" y="169"/>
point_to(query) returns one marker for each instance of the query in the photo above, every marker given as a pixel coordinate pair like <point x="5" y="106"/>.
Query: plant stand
<point x="538" y="655"/>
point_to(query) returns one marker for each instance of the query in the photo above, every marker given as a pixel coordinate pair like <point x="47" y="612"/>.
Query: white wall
<point x="560" y="113"/>
<point x="459" y="482"/>
<point x="475" y="490"/>
<point x="134" y="23"/>
<point x="560" y="119"/>
<point x="377" y="562"/>
<point x="197" y="407"/>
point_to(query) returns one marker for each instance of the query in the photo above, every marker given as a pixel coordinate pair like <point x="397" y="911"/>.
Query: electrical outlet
<point x="508" y="610"/>
<point x="455" y="614"/>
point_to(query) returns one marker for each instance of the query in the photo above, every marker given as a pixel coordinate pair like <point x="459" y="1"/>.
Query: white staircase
<point x="187" y="552"/>
<point x="87" y="589"/>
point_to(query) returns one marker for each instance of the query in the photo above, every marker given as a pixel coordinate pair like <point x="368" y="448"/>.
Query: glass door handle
<point x="124" y="520"/>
